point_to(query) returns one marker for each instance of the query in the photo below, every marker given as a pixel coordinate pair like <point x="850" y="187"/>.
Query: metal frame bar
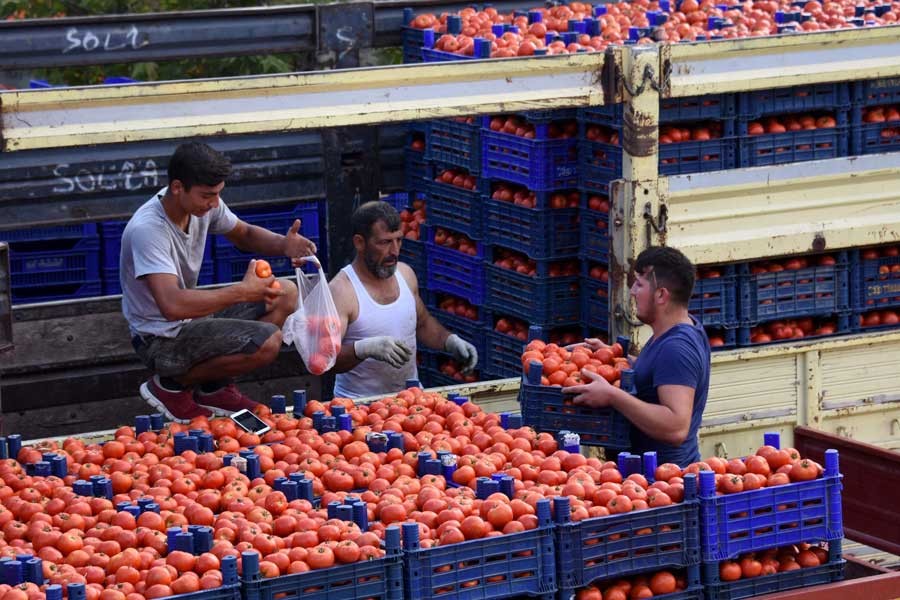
<point x="95" y="115"/>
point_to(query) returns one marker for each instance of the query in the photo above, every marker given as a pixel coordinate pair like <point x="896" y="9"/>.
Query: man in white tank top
<point x="382" y="315"/>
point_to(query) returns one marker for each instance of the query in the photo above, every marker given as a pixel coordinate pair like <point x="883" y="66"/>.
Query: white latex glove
<point x="462" y="351"/>
<point x="384" y="348"/>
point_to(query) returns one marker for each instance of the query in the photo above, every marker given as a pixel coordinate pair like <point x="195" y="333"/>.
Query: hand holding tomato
<point x="597" y="393"/>
<point x="259" y="283"/>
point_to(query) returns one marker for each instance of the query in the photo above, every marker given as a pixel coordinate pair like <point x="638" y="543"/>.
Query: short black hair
<point x="672" y="270"/>
<point x="364" y="218"/>
<point x="196" y="163"/>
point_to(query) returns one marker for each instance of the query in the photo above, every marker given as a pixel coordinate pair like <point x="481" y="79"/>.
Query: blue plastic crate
<point x="413" y="253"/>
<point x="506" y="566"/>
<point x="431" y="55"/>
<point x="594" y="235"/>
<point x="503" y="354"/>
<point x="412" y="40"/>
<point x="856" y="325"/>
<point x="874" y="138"/>
<point x="629" y="543"/>
<point x="453" y="321"/>
<point x="539" y="164"/>
<point x="806" y="511"/>
<point x="37" y="234"/>
<point x="230" y="264"/>
<point x="111" y="238"/>
<point x="451" y="142"/>
<point x="455" y="273"/>
<point x="64" y="291"/>
<point x="801" y="98"/>
<point x="714" y="301"/>
<point x="841" y="321"/>
<point x="455" y="208"/>
<point x="594" y="307"/>
<point x="378" y="579"/>
<point x="698" y="157"/>
<point x="280" y="218"/>
<point x="874" y="283"/>
<point x="821" y="290"/>
<point x="876" y="92"/>
<point x="430" y="373"/>
<point x="790" y="147"/>
<point x="729" y="337"/>
<point x="672" y="110"/>
<point x="829" y="572"/>
<point x="541" y="233"/>
<point x="546" y="408"/>
<point x="417" y="170"/>
<point x="540" y="299"/>
<point x="604" y="160"/>
<point x="54" y="262"/>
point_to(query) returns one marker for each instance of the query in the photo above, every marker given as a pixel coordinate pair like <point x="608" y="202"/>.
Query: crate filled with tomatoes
<point x="542" y="292"/>
<point x="671" y="110"/>
<point x="875" y="277"/>
<point x="641" y="525"/>
<point x="412" y="220"/>
<point x="455" y="142"/>
<point x="594" y="234"/>
<point x="506" y="336"/>
<point x="772" y="498"/>
<point x="797" y="99"/>
<point x="540" y="155"/>
<point x="794" y="287"/>
<point x="875" y="129"/>
<point x="439" y="369"/>
<point x="416" y="166"/>
<point x="455" y="264"/>
<point x="341" y="572"/>
<point x="714" y="301"/>
<point x="550" y="368"/>
<point x="790" y="138"/>
<point x="455" y="201"/>
<point x="779" y="569"/>
<point x="515" y="564"/>
<point x="664" y="584"/>
<point x="595" y="295"/>
<point x="542" y="224"/>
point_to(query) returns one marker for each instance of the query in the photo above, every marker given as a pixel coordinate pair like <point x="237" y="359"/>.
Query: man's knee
<point x="269" y="350"/>
<point x="288" y="302"/>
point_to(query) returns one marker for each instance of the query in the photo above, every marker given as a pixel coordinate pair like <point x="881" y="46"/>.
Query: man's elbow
<point x="171" y="312"/>
<point x="676" y="437"/>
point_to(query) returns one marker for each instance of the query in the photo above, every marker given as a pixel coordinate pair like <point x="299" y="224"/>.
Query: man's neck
<point x="667" y="320"/>
<point x="366" y="276"/>
<point x="174" y="212"/>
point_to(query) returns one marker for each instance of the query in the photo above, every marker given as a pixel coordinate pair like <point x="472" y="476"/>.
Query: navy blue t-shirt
<point x="680" y="356"/>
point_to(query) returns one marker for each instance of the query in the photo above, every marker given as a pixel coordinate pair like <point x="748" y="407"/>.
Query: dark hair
<point x="365" y="217"/>
<point x="195" y="163"/>
<point x="672" y="270"/>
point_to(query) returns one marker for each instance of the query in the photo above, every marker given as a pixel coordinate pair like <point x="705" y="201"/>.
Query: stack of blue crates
<point x="545" y="165"/>
<point x="54" y="263"/>
<point x="771" y="517"/>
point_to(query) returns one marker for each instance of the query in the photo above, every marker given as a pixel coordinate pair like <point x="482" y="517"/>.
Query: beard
<point x="380" y="269"/>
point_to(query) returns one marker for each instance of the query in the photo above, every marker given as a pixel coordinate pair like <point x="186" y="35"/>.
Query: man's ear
<point x="176" y="187"/>
<point x="662" y="295"/>
<point x="359" y="242"/>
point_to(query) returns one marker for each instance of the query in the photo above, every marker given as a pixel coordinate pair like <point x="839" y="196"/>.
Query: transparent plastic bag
<point x="314" y="328"/>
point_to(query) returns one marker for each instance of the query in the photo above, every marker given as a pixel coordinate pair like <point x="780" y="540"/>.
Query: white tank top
<point x="398" y="319"/>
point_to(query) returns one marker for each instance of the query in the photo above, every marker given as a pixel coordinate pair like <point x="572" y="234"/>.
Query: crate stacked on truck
<point x="532" y="227"/>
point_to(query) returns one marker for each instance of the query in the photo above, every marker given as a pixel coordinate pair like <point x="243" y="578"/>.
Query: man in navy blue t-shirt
<point x="672" y="371"/>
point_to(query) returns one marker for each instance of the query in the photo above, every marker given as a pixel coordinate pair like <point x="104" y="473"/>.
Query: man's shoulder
<point x="148" y="214"/>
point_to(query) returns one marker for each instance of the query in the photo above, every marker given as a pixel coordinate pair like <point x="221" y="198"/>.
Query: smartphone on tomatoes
<point x="247" y="421"/>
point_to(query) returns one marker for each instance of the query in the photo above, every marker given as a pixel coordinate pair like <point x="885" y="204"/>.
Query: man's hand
<point x="597" y="393"/>
<point x="259" y="289"/>
<point x="384" y="348"/>
<point x="296" y="246"/>
<point x="462" y="351"/>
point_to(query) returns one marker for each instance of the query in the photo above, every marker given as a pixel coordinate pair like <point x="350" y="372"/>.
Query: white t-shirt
<point x="151" y="243"/>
